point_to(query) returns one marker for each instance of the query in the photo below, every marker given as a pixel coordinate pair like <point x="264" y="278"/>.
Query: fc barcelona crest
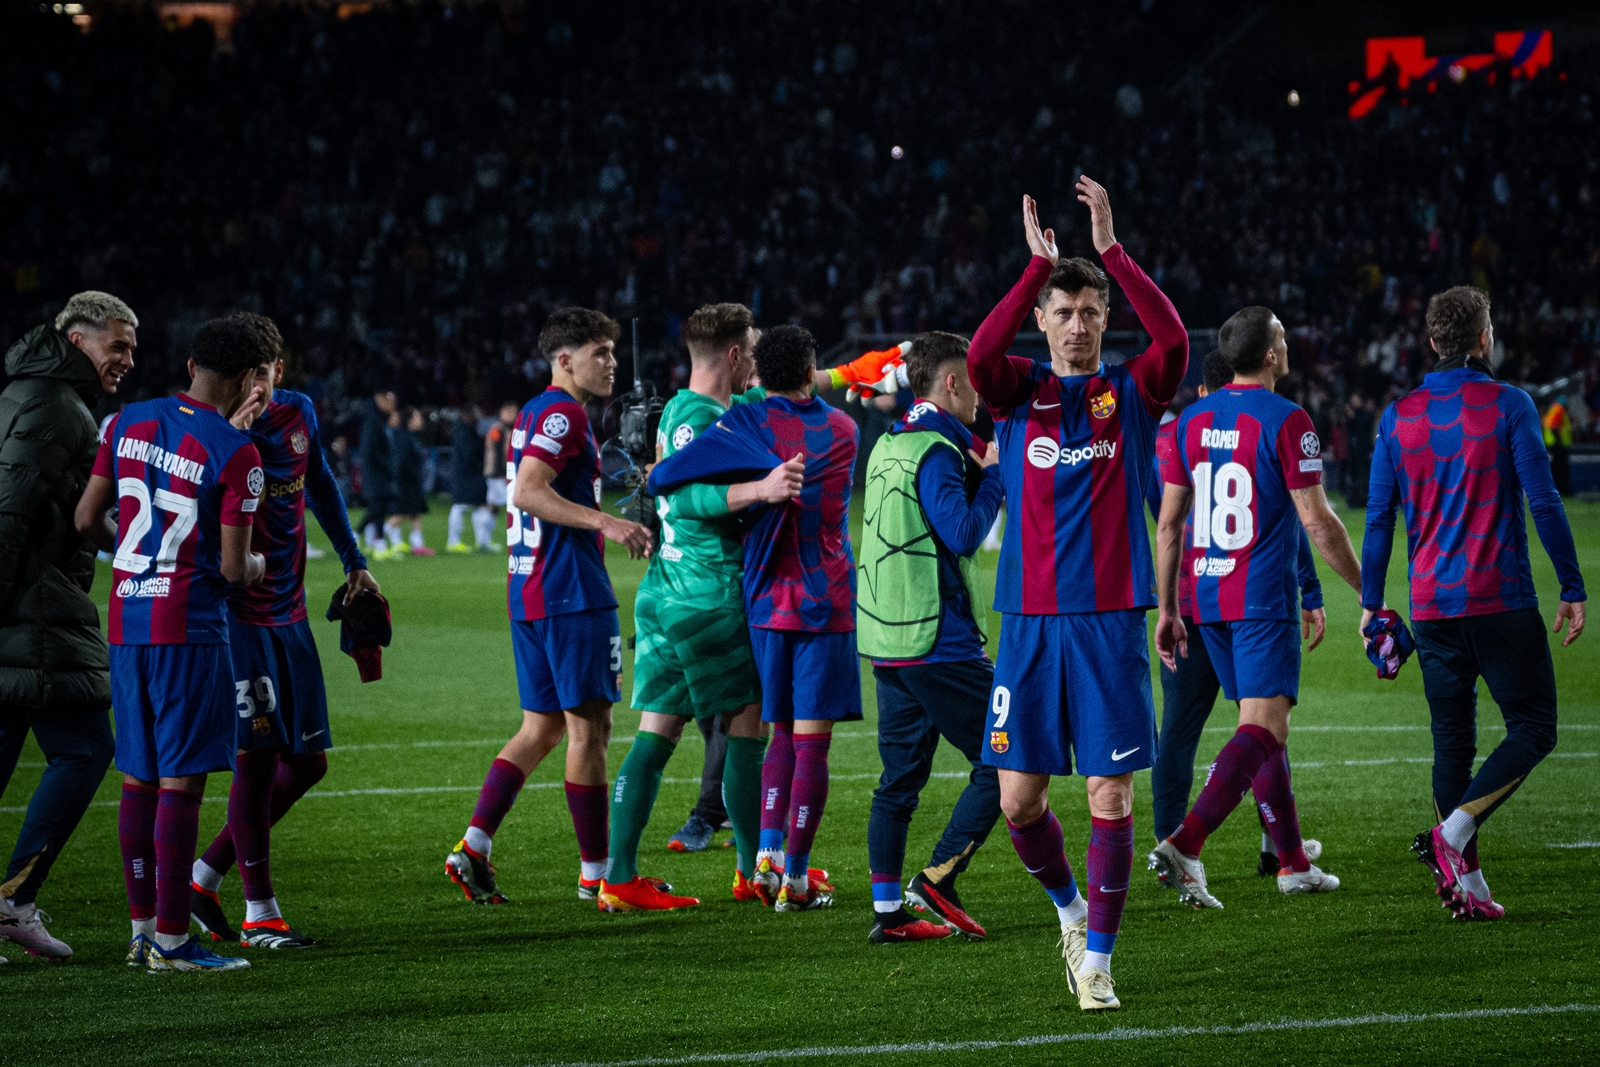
<point x="298" y="442"/>
<point x="261" y="725"/>
<point x="999" y="740"/>
<point x="1103" y="405"/>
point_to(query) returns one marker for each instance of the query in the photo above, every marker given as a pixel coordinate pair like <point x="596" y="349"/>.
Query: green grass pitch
<point x="408" y="972"/>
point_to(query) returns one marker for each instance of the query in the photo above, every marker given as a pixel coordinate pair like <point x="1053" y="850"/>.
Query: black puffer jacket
<point x="53" y="656"/>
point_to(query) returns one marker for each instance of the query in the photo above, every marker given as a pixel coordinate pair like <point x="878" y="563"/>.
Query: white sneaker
<point x="1185" y="873"/>
<point x="24" y="924"/>
<point x="1312" y="881"/>
<point x="1096" y="991"/>
<point x="1074" y="943"/>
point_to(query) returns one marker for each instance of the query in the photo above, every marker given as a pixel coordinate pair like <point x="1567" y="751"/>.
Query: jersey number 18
<point x="1222" y="506"/>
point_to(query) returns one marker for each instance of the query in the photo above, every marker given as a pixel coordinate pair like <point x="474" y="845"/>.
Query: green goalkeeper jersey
<point x="700" y="557"/>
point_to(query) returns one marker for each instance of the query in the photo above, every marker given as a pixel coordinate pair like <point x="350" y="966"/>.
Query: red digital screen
<point x="1524" y="52"/>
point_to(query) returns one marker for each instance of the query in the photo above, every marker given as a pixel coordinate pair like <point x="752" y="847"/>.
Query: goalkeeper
<point x="692" y="657"/>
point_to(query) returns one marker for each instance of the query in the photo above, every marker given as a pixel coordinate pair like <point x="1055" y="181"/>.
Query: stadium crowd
<point x="409" y="190"/>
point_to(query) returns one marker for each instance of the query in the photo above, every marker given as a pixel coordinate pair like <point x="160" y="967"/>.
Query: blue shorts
<point x="1255" y="657"/>
<point x="1072" y="687"/>
<point x="173" y="706"/>
<point x="277" y="687"/>
<point x="806" y="675"/>
<point x="567" y="660"/>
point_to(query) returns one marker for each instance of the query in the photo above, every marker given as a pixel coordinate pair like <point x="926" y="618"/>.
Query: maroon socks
<point x="295" y="775"/>
<point x="177" y="830"/>
<point x="136" y="828"/>
<point x="1042" y="848"/>
<point x="250" y="820"/>
<point x="777" y="779"/>
<point x="590" y="806"/>
<point x="1240" y="760"/>
<point x="499" y="792"/>
<point x="1275" y="801"/>
<point x="1109" y="869"/>
<point x="808" y="797"/>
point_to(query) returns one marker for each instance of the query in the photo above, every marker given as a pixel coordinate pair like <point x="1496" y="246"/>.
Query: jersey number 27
<point x="137" y="502"/>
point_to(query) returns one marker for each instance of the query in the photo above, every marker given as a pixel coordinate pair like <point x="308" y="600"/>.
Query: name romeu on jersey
<point x="555" y="569"/>
<point x="1076" y="453"/>
<point x="799" y="570"/>
<point x="182" y="472"/>
<point x="297" y="474"/>
<point x="1242" y="450"/>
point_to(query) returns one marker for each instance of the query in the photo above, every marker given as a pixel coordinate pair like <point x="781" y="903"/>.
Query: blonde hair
<point x="96" y="309"/>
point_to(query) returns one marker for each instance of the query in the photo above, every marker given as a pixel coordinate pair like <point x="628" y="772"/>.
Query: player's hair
<point x="229" y="346"/>
<point x="573" y="327"/>
<point x="266" y="332"/>
<point x="1456" y="317"/>
<point x="785" y="357"/>
<point x="715" y="328"/>
<point x="1072" y="276"/>
<point x="929" y="354"/>
<point x="96" y="309"/>
<point x="1245" y="338"/>
<point x="1217" y="372"/>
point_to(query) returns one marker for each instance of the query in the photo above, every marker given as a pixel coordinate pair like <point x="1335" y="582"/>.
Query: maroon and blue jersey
<point x="799" y="569"/>
<point x="1458" y="454"/>
<point x="182" y="472"/>
<point x="1076" y="454"/>
<point x="1242" y="450"/>
<point x="554" y="569"/>
<point x="1306" y="566"/>
<point x="297" y="474"/>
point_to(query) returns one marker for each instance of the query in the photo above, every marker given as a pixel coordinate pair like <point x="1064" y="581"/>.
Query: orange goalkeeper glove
<point x="869" y="369"/>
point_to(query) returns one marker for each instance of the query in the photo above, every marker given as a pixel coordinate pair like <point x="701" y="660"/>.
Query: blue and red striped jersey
<point x="1458" y="454"/>
<point x="297" y="474"/>
<point x="1076" y="454"/>
<point x="1242" y="449"/>
<point x="182" y="473"/>
<point x="554" y="569"/>
<point x="799" y="569"/>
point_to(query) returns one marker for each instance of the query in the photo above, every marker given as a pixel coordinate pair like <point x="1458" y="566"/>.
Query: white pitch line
<point x="222" y="798"/>
<point x="1117" y="1034"/>
<point x="1575" y="844"/>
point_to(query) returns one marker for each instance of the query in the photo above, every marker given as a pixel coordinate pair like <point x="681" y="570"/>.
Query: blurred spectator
<point x="377" y="471"/>
<point x="410" y="499"/>
<point x="468" y="488"/>
<point x="1558" y="442"/>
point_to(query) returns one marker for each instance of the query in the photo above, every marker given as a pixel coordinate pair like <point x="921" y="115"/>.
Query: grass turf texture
<point x="409" y="972"/>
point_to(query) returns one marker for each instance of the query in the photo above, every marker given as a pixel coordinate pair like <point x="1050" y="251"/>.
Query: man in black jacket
<point x="377" y="471"/>
<point x="54" y="673"/>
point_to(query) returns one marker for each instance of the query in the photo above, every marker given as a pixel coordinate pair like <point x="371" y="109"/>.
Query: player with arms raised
<point x="799" y="593"/>
<point x="1072" y="673"/>
<point x="282" y="721"/>
<point x="564" y="632"/>
<point x="1250" y="461"/>
<point x="185" y="484"/>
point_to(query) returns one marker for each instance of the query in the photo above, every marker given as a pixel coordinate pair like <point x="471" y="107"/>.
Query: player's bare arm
<point x="1172" y="638"/>
<point x="534" y="494"/>
<point x="1327" y="532"/>
<point x="780" y="486"/>
<point x="240" y="566"/>
<point x="92" y="517"/>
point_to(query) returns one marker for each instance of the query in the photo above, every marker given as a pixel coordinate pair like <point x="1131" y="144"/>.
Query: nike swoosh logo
<point x="1044" y="407"/>
<point x="307" y="737"/>
<point x="1032" y="870"/>
<point x="254" y="863"/>
<point x="1103" y="889"/>
<point x="1118" y="757"/>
